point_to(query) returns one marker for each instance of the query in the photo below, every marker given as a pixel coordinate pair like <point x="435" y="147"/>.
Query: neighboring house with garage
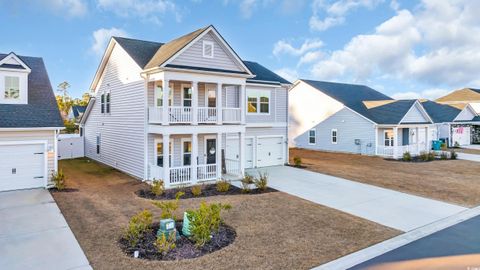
<point x="75" y="113"/>
<point x="461" y="97"/>
<point x="355" y="119"/>
<point x="186" y="111"/>
<point x="29" y="123"/>
<point x="457" y="124"/>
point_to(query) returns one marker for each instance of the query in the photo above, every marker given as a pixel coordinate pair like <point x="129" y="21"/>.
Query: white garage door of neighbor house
<point x="232" y="151"/>
<point x="22" y="166"/>
<point x="269" y="151"/>
<point x="461" y="135"/>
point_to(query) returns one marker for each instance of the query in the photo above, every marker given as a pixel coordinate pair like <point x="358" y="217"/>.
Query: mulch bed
<point x="207" y="191"/>
<point x="295" y="166"/>
<point x="63" y="190"/>
<point x="185" y="248"/>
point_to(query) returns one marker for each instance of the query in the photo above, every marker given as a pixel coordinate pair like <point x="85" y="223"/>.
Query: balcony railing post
<point x="165" y="110"/>
<point x="194" y="158"/>
<point x="242" y="104"/>
<point x="194" y="102"/>
<point x="219" y="103"/>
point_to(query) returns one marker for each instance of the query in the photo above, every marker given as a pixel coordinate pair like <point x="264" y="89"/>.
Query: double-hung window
<point x="107" y="102"/>
<point x="312" y="136"/>
<point x="159" y="95"/>
<point x="12" y="87"/>
<point x="102" y="103"/>
<point x="388" y="137"/>
<point x="98" y="144"/>
<point x="334" y="136"/>
<point x="258" y="101"/>
<point x="187" y="152"/>
<point x="187" y="96"/>
<point x="160" y="154"/>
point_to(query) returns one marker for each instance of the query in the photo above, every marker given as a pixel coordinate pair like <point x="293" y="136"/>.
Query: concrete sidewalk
<point x="35" y="235"/>
<point x="471" y="157"/>
<point x="387" y="207"/>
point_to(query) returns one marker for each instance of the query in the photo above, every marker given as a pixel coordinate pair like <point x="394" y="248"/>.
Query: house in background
<point x="75" y="113"/>
<point x="461" y="97"/>
<point x="29" y="123"/>
<point x="356" y="119"/>
<point x="186" y="111"/>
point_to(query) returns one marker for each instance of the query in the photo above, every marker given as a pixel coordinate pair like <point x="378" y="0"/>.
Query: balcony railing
<point x="184" y="115"/>
<point x="413" y="149"/>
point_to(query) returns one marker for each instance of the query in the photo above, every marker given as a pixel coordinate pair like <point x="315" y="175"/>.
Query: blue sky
<point x="407" y="49"/>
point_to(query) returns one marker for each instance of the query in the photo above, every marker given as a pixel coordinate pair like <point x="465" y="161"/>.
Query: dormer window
<point x="207" y="49"/>
<point x="12" y="87"/>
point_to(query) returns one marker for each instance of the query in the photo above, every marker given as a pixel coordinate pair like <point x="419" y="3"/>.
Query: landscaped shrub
<point x="246" y="182"/>
<point x="58" y="179"/>
<point x="443" y="155"/>
<point x="423" y="156"/>
<point x="297" y="161"/>
<point x="443" y="146"/>
<point x="456" y="145"/>
<point x="169" y="207"/>
<point x="137" y="227"/>
<point x="164" y="244"/>
<point x="158" y="187"/>
<point x="453" y="155"/>
<point x="431" y="156"/>
<point x="205" y="220"/>
<point x="407" y="156"/>
<point x="262" y="181"/>
<point x="196" y="190"/>
<point x="223" y="185"/>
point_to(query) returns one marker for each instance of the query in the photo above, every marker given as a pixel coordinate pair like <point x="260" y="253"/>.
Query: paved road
<point x="34" y="234"/>
<point x="390" y="208"/>
<point x="460" y="239"/>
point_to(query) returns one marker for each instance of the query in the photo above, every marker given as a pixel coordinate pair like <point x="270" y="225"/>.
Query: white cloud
<point x="148" y="10"/>
<point x="310" y="57"/>
<point x="284" y="47"/>
<point x="436" y="44"/>
<point x="102" y="36"/>
<point x="246" y="7"/>
<point x="431" y="94"/>
<point x="335" y="12"/>
<point x="71" y="8"/>
<point x="288" y="74"/>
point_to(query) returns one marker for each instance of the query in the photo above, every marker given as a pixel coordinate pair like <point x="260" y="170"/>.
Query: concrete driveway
<point x="471" y="157"/>
<point x="387" y="207"/>
<point x="35" y="235"/>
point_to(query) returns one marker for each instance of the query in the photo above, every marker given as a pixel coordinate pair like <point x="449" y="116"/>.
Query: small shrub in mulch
<point x="184" y="247"/>
<point x="208" y="190"/>
<point x="426" y="157"/>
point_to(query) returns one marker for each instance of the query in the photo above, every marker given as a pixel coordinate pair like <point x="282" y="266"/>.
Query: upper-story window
<point x="159" y="95"/>
<point x="12" y="87"/>
<point x="102" y="103"/>
<point x="107" y="102"/>
<point x="208" y="49"/>
<point x="187" y="96"/>
<point x="258" y="101"/>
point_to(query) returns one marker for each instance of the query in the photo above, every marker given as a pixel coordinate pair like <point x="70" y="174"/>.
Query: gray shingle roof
<point x="263" y="74"/>
<point x="78" y="110"/>
<point x="140" y="50"/>
<point x="440" y="113"/>
<point x="41" y="110"/>
<point x="391" y="113"/>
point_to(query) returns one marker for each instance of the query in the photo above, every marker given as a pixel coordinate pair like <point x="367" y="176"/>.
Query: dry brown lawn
<point x="467" y="151"/>
<point x="454" y="181"/>
<point x="274" y="230"/>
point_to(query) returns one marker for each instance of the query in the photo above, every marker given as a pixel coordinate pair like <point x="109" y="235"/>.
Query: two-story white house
<point x="29" y="123"/>
<point x="186" y="111"/>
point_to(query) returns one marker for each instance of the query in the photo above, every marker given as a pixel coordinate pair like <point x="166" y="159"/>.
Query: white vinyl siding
<point x="122" y="133"/>
<point x="193" y="56"/>
<point x="351" y="126"/>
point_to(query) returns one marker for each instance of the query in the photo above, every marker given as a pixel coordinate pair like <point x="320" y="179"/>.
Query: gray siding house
<point x="186" y="111"/>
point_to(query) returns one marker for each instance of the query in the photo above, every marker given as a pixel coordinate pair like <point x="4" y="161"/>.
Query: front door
<point x="211" y="151"/>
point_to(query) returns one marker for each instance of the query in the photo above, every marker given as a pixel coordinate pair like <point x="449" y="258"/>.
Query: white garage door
<point x="22" y="166"/>
<point x="232" y="151"/>
<point x="461" y="135"/>
<point x="269" y="151"/>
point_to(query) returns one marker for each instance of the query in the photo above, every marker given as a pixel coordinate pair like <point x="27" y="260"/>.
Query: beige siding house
<point x="186" y="111"/>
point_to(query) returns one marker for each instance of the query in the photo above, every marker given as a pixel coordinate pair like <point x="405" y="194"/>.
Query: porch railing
<point x="231" y="115"/>
<point x="180" y="175"/>
<point x="232" y="166"/>
<point x="180" y="114"/>
<point x="207" y="115"/>
<point x="413" y="149"/>
<point x="207" y="172"/>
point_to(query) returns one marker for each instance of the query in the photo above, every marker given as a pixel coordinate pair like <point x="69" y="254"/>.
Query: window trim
<point x="5" y="88"/>
<point x="108" y="102"/>
<point x="258" y="95"/>
<point x="182" y="150"/>
<point x="314" y="136"/>
<point x="102" y="103"/>
<point x="392" y="141"/>
<point x="182" y="86"/>
<point x="160" y="140"/>
<point x="204" y="45"/>
<point x="336" y="136"/>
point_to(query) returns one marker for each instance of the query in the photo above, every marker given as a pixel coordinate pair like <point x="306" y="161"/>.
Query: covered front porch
<point x="394" y="141"/>
<point x="195" y="158"/>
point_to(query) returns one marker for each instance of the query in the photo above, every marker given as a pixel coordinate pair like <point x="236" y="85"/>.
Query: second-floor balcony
<point x="186" y="115"/>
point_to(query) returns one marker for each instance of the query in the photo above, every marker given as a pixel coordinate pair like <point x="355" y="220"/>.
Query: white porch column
<point x="219" y="104"/>
<point x="243" y="108"/>
<point x="395" y="142"/>
<point x="194" y="158"/>
<point x="194" y="103"/>
<point x="166" y="159"/>
<point x="376" y="141"/>
<point x="427" y="147"/>
<point x="416" y="140"/>
<point x="242" y="153"/>
<point x="218" y="158"/>
<point x="166" y="94"/>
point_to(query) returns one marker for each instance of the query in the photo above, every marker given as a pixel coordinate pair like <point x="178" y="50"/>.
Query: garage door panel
<point x="269" y="151"/>
<point x="22" y="166"/>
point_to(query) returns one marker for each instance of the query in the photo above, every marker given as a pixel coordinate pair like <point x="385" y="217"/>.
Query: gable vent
<point x="208" y="49"/>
